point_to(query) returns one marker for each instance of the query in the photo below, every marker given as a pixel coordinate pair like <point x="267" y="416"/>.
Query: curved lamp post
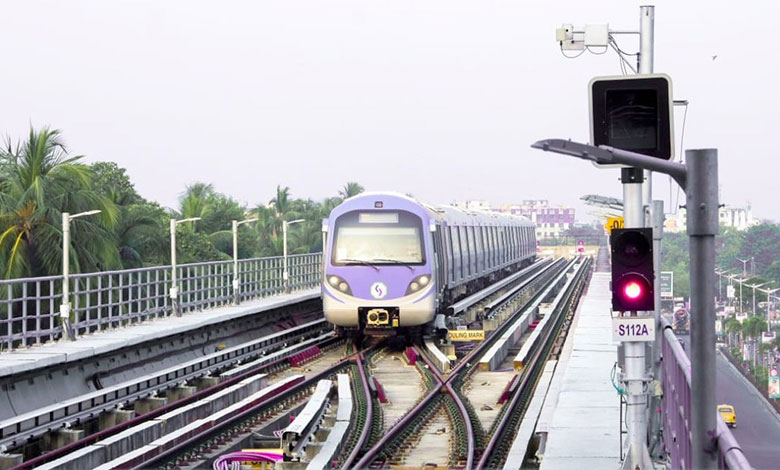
<point x="236" y="276"/>
<point x="67" y="334"/>
<point x="174" y="292"/>
<point x="285" y="273"/>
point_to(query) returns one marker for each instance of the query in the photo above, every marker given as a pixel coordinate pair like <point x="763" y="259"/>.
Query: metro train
<point x="393" y="264"/>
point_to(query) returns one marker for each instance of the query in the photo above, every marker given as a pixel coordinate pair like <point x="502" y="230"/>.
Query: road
<point x="758" y="425"/>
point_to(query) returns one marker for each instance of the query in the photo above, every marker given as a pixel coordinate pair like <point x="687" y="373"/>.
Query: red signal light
<point x="633" y="290"/>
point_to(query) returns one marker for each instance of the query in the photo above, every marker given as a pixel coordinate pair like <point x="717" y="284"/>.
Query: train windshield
<point x="378" y="237"/>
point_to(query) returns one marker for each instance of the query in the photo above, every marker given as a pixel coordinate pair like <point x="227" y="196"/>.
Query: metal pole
<point x="702" y="203"/>
<point x="174" y="293"/>
<point x="657" y="214"/>
<point x="645" y="66"/>
<point x="285" y="275"/>
<point x="635" y="360"/>
<point x="235" y="263"/>
<point x="67" y="334"/>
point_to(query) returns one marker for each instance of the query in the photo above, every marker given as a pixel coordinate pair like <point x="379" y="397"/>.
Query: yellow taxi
<point x="728" y="414"/>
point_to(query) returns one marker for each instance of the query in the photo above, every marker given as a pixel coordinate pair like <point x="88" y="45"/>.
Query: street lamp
<point x="65" y="306"/>
<point x="769" y="296"/>
<point x="720" y="273"/>
<point x="285" y="273"/>
<point x="744" y="263"/>
<point x="754" y="286"/>
<point x="174" y="292"/>
<point x="236" y="279"/>
<point x="740" y="281"/>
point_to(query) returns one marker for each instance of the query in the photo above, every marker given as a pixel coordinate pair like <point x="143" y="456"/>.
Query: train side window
<point x="448" y="241"/>
<point x="493" y="247"/>
<point x="473" y="250"/>
<point x="464" y="243"/>
<point x="489" y="244"/>
<point x="480" y="247"/>
<point x="457" y="253"/>
<point x="513" y="235"/>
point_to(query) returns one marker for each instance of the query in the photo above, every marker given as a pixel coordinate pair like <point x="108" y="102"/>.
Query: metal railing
<point x="676" y="374"/>
<point x="29" y="307"/>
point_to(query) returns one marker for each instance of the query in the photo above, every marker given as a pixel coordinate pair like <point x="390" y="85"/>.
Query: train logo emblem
<point x="378" y="290"/>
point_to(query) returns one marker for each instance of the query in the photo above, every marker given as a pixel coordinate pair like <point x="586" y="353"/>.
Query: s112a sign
<point x="626" y="329"/>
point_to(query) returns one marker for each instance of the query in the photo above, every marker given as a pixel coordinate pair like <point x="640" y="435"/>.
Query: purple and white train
<point x="392" y="263"/>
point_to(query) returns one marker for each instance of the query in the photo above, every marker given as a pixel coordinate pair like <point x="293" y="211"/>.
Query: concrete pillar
<point x="177" y="393"/>
<point x="10" y="460"/>
<point x="148" y="404"/>
<point x="109" y="419"/>
<point x="202" y="383"/>
<point x="56" y="439"/>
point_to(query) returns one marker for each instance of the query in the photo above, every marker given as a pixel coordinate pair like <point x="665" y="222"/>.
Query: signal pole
<point x="634" y="200"/>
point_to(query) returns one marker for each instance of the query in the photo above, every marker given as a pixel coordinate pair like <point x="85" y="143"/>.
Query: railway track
<point x="231" y="366"/>
<point x="445" y="391"/>
<point x="406" y="407"/>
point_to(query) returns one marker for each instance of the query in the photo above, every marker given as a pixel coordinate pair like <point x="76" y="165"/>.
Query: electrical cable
<point x="606" y="48"/>
<point x="621" y="51"/>
<point x="622" y="59"/>
<point x="571" y="56"/>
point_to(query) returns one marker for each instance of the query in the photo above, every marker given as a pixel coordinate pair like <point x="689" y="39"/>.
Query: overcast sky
<point x="440" y="99"/>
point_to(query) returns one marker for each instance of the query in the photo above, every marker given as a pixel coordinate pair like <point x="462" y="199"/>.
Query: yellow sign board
<point x="613" y="223"/>
<point x="466" y="335"/>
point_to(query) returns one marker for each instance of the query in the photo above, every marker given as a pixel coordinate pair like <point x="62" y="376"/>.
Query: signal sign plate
<point x="629" y="329"/>
<point x="613" y="223"/>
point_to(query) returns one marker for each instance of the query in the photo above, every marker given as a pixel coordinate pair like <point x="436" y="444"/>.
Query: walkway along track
<point x="468" y="428"/>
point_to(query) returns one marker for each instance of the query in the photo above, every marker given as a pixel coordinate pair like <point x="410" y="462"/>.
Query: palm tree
<point x="733" y="328"/>
<point x="350" y="189"/>
<point x="196" y="201"/>
<point x="39" y="182"/>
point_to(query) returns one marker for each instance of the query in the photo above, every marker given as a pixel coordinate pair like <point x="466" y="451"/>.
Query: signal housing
<point x="632" y="269"/>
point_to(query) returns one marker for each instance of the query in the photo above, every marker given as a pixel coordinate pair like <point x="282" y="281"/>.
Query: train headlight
<point x="418" y="283"/>
<point x="338" y="283"/>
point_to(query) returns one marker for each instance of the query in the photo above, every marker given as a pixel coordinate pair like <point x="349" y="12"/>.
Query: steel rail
<point x="475" y="298"/>
<point x="458" y="402"/>
<point x="444" y="383"/>
<point x="92" y="438"/>
<point x="499" y="302"/>
<point x="529" y="374"/>
<point x="84" y="406"/>
<point x="178" y="448"/>
<point x="369" y="414"/>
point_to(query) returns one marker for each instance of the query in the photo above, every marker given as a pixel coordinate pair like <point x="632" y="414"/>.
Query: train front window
<point x="384" y="238"/>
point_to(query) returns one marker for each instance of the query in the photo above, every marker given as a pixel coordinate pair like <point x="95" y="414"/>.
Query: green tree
<point x="111" y="180"/>
<point x="39" y="182"/>
<point x="762" y="244"/>
<point x="733" y="329"/>
<point x="350" y="189"/>
<point x="676" y="259"/>
<point x="196" y="201"/>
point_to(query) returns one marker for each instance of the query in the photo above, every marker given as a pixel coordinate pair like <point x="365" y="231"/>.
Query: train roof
<point x="454" y="215"/>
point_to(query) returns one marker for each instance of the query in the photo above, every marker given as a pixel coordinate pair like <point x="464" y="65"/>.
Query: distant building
<point x="741" y="218"/>
<point x="551" y="221"/>
<point x="473" y="205"/>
